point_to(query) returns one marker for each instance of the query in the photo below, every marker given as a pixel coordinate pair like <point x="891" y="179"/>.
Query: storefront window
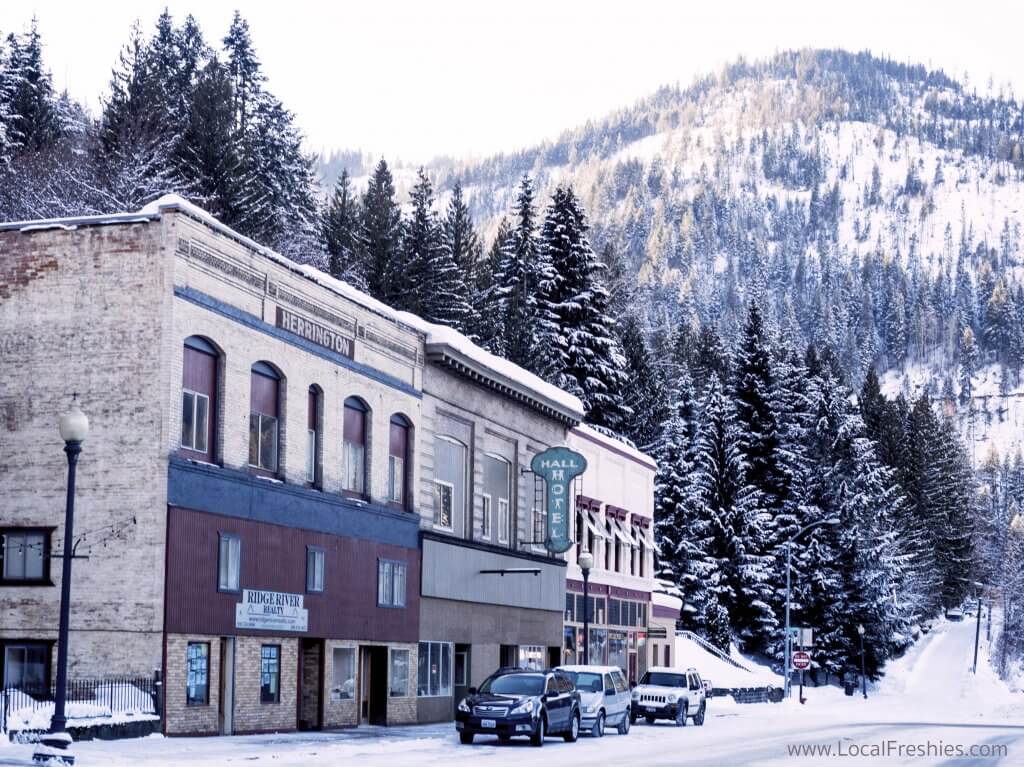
<point x="434" y="669"/>
<point x="617" y="649"/>
<point x="197" y="691"/>
<point x="599" y="647"/>
<point x="270" y="673"/>
<point x="343" y="674"/>
<point x="399" y="679"/>
<point x="25" y="665"/>
<point x="532" y="657"/>
<point x="569" y="645"/>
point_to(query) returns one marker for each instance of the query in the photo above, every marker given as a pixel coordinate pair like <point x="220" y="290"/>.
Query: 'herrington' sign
<point x="271" y="610"/>
<point x="314" y="332"/>
<point x="559" y="466"/>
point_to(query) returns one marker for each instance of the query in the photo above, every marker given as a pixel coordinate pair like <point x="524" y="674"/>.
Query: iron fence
<point x="28" y="707"/>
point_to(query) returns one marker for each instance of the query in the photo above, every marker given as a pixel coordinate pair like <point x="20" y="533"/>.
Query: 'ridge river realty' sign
<point x="271" y="610"/>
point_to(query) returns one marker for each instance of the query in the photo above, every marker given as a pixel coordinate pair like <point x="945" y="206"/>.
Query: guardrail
<point x="705" y="644"/>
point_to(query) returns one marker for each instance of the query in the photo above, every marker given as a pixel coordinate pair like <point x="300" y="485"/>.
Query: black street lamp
<point x="586" y="561"/>
<point x="863" y="676"/>
<point x="54" y="746"/>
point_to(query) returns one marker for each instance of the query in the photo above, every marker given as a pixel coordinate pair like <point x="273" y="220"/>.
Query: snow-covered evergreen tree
<point x="340" y="231"/>
<point x="381" y="234"/>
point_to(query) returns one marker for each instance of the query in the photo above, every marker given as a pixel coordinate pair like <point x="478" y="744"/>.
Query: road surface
<point x="929" y="700"/>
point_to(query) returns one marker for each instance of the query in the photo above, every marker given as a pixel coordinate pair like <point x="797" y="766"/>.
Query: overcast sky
<point x="412" y="80"/>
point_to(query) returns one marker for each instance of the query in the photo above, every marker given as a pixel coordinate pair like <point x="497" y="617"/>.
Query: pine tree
<point x="462" y="246"/>
<point x="575" y="342"/>
<point x="34" y="123"/>
<point x="645" y="392"/>
<point x="489" y="331"/>
<point x="518" y="279"/>
<point x="434" y="287"/>
<point x="341" y="234"/>
<point x="968" y="353"/>
<point x="381" y="232"/>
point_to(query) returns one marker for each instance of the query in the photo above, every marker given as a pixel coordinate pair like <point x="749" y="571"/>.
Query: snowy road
<point x="928" y="697"/>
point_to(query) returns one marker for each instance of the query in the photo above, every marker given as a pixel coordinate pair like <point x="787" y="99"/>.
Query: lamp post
<point x="789" y="567"/>
<point x="74" y="427"/>
<point x="863" y="676"/>
<point x="586" y="561"/>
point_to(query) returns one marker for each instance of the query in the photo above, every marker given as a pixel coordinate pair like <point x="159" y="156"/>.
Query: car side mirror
<point x="544" y="698"/>
<point x="471" y="691"/>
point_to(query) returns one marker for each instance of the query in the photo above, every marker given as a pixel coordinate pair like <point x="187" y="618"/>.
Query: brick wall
<point x="181" y="718"/>
<point x="250" y="714"/>
<point x="84" y="310"/>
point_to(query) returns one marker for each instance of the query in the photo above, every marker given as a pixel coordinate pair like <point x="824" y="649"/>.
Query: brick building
<point x="289" y="494"/>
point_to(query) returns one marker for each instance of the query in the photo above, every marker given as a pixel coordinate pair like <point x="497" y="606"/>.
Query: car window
<point x="694" y="682"/>
<point x="609" y="685"/>
<point x="566" y="684"/>
<point x="513" y="684"/>
<point x="620" y="682"/>
<point x="663" y="679"/>
<point x="585" y="681"/>
<point x="552" y="688"/>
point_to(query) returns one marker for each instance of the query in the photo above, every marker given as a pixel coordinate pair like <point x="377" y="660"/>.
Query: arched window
<point x="199" y="399"/>
<point x="314" y="442"/>
<point x="354" y="439"/>
<point x="398" y="461"/>
<point x="449" y="484"/>
<point x="264" y="422"/>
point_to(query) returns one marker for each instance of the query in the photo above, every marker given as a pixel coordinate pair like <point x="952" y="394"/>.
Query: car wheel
<point x="598" y="730"/>
<point x="698" y="718"/>
<point x="649" y="719"/>
<point x="681" y="716"/>
<point x="625" y="723"/>
<point x="465" y="738"/>
<point x="574" y="729"/>
<point x="537" y="739"/>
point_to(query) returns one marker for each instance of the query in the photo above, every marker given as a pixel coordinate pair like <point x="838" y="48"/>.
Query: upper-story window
<point x="449" y="483"/>
<point x="198" y="398"/>
<point x="314" y="443"/>
<point x="398" y="462"/>
<point x="497" y="494"/>
<point x="354" y="447"/>
<point x="25" y="556"/>
<point x="264" y="426"/>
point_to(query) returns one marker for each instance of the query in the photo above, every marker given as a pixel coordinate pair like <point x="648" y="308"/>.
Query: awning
<point x="623" y="534"/>
<point x="594" y="524"/>
<point x="645" y="535"/>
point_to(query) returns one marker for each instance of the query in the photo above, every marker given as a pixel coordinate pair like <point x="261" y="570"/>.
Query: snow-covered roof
<point x="666" y="600"/>
<point x="595" y="435"/>
<point x="444" y="344"/>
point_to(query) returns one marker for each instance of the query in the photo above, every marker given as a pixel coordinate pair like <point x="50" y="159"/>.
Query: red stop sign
<point x="801" y="660"/>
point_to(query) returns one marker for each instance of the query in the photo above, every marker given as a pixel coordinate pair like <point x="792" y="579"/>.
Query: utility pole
<point x="977" y="635"/>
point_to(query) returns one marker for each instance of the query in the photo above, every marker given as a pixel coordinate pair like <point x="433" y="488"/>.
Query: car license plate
<point x="652" y="708"/>
<point x="487" y="723"/>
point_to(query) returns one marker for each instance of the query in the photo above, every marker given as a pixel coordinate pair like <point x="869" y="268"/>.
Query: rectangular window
<point x="396" y="479"/>
<point x="229" y="561"/>
<point x="614" y="614"/>
<point x="197" y="690"/>
<point x="355" y="468"/>
<point x="570" y="608"/>
<point x="398" y="684"/>
<point x="25" y="666"/>
<point x="263" y="441"/>
<point x="343" y="673"/>
<point x="195" y="421"/>
<point x="26" y="556"/>
<point x="444" y="498"/>
<point x="311" y="456"/>
<point x="532" y="657"/>
<point x="540" y="526"/>
<point x="314" y="569"/>
<point x="485" y="518"/>
<point x="270" y="673"/>
<point x="391" y="583"/>
<point x="502" y="520"/>
<point x="434" y="669"/>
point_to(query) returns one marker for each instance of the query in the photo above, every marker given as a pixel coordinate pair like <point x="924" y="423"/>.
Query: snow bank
<point x="719" y="672"/>
<point x="433" y="334"/>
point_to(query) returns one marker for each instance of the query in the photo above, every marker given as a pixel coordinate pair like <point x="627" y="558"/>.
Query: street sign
<point x="558" y="466"/>
<point x="801" y="660"/>
<point x="806" y="637"/>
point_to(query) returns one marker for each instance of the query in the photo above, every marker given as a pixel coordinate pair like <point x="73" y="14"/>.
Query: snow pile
<point x="718" y="671"/>
<point x="134" y="704"/>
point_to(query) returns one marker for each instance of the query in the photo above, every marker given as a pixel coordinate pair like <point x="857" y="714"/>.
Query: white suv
<point x="669" y="693"/>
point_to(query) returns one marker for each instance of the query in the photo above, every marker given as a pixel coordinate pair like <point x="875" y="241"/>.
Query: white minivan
<point x="604" y="698"/>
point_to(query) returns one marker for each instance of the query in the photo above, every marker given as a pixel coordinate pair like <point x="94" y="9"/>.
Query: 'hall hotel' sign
<point x="315" y="333"/>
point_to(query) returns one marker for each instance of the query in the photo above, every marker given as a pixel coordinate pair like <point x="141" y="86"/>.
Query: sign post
<point x="801" y="660"/>
<point x="558" y="466"/>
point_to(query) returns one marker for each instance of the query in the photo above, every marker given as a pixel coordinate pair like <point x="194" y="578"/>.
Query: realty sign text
<point x="271" y="610"/>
